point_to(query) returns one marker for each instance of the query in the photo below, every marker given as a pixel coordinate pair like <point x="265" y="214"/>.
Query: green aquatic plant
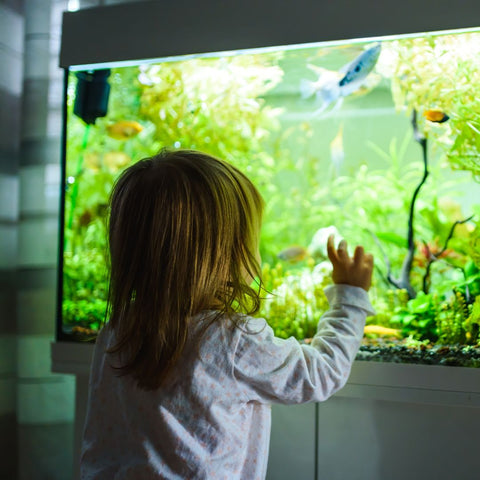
<point x="210" y="104"/>
<point x="442" y="72"/>
<point x="471" y="324"/>
<point x="385" y="302"/>
<point x="411" y="342"/>
<point x="295" y="302"/>
<point x="418" y="317"/>
<point x="451" y="319"/>
<point x="84" y="288"/>
<point x="214" y="105"/>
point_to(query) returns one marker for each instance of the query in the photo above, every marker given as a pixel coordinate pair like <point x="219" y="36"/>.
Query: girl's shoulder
<point x="228" y="326"/>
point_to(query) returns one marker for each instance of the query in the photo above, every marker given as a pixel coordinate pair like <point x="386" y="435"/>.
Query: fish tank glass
<point x="376" y="140"/>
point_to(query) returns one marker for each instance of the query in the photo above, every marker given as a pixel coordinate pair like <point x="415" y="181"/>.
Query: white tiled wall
<point x="39" y="189"/>
<point x="8" y="246"/>
<point x="46" y="402"/>
<point x="43" y="397"/>
<point x="35" y="307"/>
<point x="7" y="395"/>
<point x="11" y="50"/>
<point x="38" y="242"/>
<point x="9" y="186"/>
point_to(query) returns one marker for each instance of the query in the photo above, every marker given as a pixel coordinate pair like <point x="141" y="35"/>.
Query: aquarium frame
<point x="60" y="334"/>
<point x="96" y="37"/>
<point x="158" y="29"/>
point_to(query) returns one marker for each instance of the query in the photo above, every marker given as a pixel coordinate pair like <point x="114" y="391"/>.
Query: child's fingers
<point x="332" y="254"/>
<point x="368" y="259"/>
<point x="359" y="254"/>
<point x="342" y="252"/>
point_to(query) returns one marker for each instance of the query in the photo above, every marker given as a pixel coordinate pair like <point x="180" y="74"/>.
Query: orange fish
<point x="124" y="129"/>
<point x="293" y="254"/>
<point x="435" y="115"/>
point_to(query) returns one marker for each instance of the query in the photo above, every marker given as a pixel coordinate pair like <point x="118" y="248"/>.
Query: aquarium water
<point x="375" y="140"/>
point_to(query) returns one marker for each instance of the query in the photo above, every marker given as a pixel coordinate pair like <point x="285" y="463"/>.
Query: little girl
<point x="183" y="376"/>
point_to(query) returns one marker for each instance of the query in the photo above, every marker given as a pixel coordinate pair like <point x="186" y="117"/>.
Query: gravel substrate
<point x="452" y="355"/>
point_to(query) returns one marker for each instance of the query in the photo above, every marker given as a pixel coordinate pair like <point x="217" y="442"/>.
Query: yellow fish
<point x="92" y="161"/>
<point x="293" y="254"/>
<point x="379" y="330"/>
<point x="114" y="161"/>
<point x="435" y="115"/>
<point x="124" y="129"/>
<point x="337" y="155"/>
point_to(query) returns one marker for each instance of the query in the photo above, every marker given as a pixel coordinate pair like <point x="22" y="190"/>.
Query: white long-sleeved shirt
<point x="211" y="419"/>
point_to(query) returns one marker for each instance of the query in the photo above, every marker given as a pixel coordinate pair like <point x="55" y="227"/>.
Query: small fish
<point x="85" y="218"/>
<point x="124" y="129"/>
<point x="293" y="254"/>
<point x="384" y="331"/>
<point x="435" y="115"/>
<point x="92" y="161"/>
<point x="357" y="71"/>
<point x="114" y="161"/>
<point x="337" y="155"/>
<point x="334" y="86"/>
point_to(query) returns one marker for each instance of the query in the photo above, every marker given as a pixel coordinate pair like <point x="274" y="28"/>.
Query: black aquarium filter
<point x="91" y="95"/>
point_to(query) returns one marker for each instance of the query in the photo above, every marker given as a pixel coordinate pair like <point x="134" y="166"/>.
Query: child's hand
<point x="356" y="271"/>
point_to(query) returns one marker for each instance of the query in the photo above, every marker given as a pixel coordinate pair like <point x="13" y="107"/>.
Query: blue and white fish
<point x="334" y="86"/>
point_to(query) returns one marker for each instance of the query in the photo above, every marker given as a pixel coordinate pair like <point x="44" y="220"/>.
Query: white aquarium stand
<point x="294" y="449"/>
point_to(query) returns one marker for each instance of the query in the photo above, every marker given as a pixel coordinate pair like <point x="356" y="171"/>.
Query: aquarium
<point x="376" y="140"/>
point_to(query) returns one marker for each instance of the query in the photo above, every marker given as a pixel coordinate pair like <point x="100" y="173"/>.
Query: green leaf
<point x="392" y="238"/>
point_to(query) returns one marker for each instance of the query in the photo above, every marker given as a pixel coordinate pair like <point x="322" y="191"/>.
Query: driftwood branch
<point x="434" y="257"/>
<point x="404" y="280"/>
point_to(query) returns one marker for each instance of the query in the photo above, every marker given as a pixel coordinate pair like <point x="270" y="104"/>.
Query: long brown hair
<point x="183" y="237"/>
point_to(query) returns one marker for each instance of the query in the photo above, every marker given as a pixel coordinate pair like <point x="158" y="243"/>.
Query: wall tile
<point x="58" y="7"/>
<point x="37" y="17"/>
<point x="9" y="202"/>
<point x="8" y="246"/>
<point x="9" y="160"/>
<point x="7" y="395"/>
<point x="56" y="91"/>
<point x="37" y="242"/>
<point x="40" y="151"/>
<point x="36" y="311"/>
<point x="46" y="452"/>
<point x="11" y="29"/>
<point x="15" y="5"/>
<point x="33" y="354"/>
<point x="36" y="278"/>
<point x="8" y="315"/>
<point x="46" y="402"/>
<point x="11" y="73"/>
<point x="8" y="355"/>
<point x="8" y="446"/>
<point x="37" y="58"/>
<point x="39" y="189"/>
<point x="35" y="108"/>
<point x="10" y="105"/>
<point x="54" y="122"/>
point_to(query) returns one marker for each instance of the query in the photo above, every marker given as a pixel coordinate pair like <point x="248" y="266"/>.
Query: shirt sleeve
<point x="274" y="370"/>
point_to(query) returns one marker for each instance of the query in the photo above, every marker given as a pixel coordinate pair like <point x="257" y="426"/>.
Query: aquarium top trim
<point x="152" y="29"/>
<point x="251" y="51"/>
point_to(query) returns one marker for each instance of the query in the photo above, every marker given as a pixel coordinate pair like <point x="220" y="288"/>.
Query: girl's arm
<point x="270" y="369"/>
